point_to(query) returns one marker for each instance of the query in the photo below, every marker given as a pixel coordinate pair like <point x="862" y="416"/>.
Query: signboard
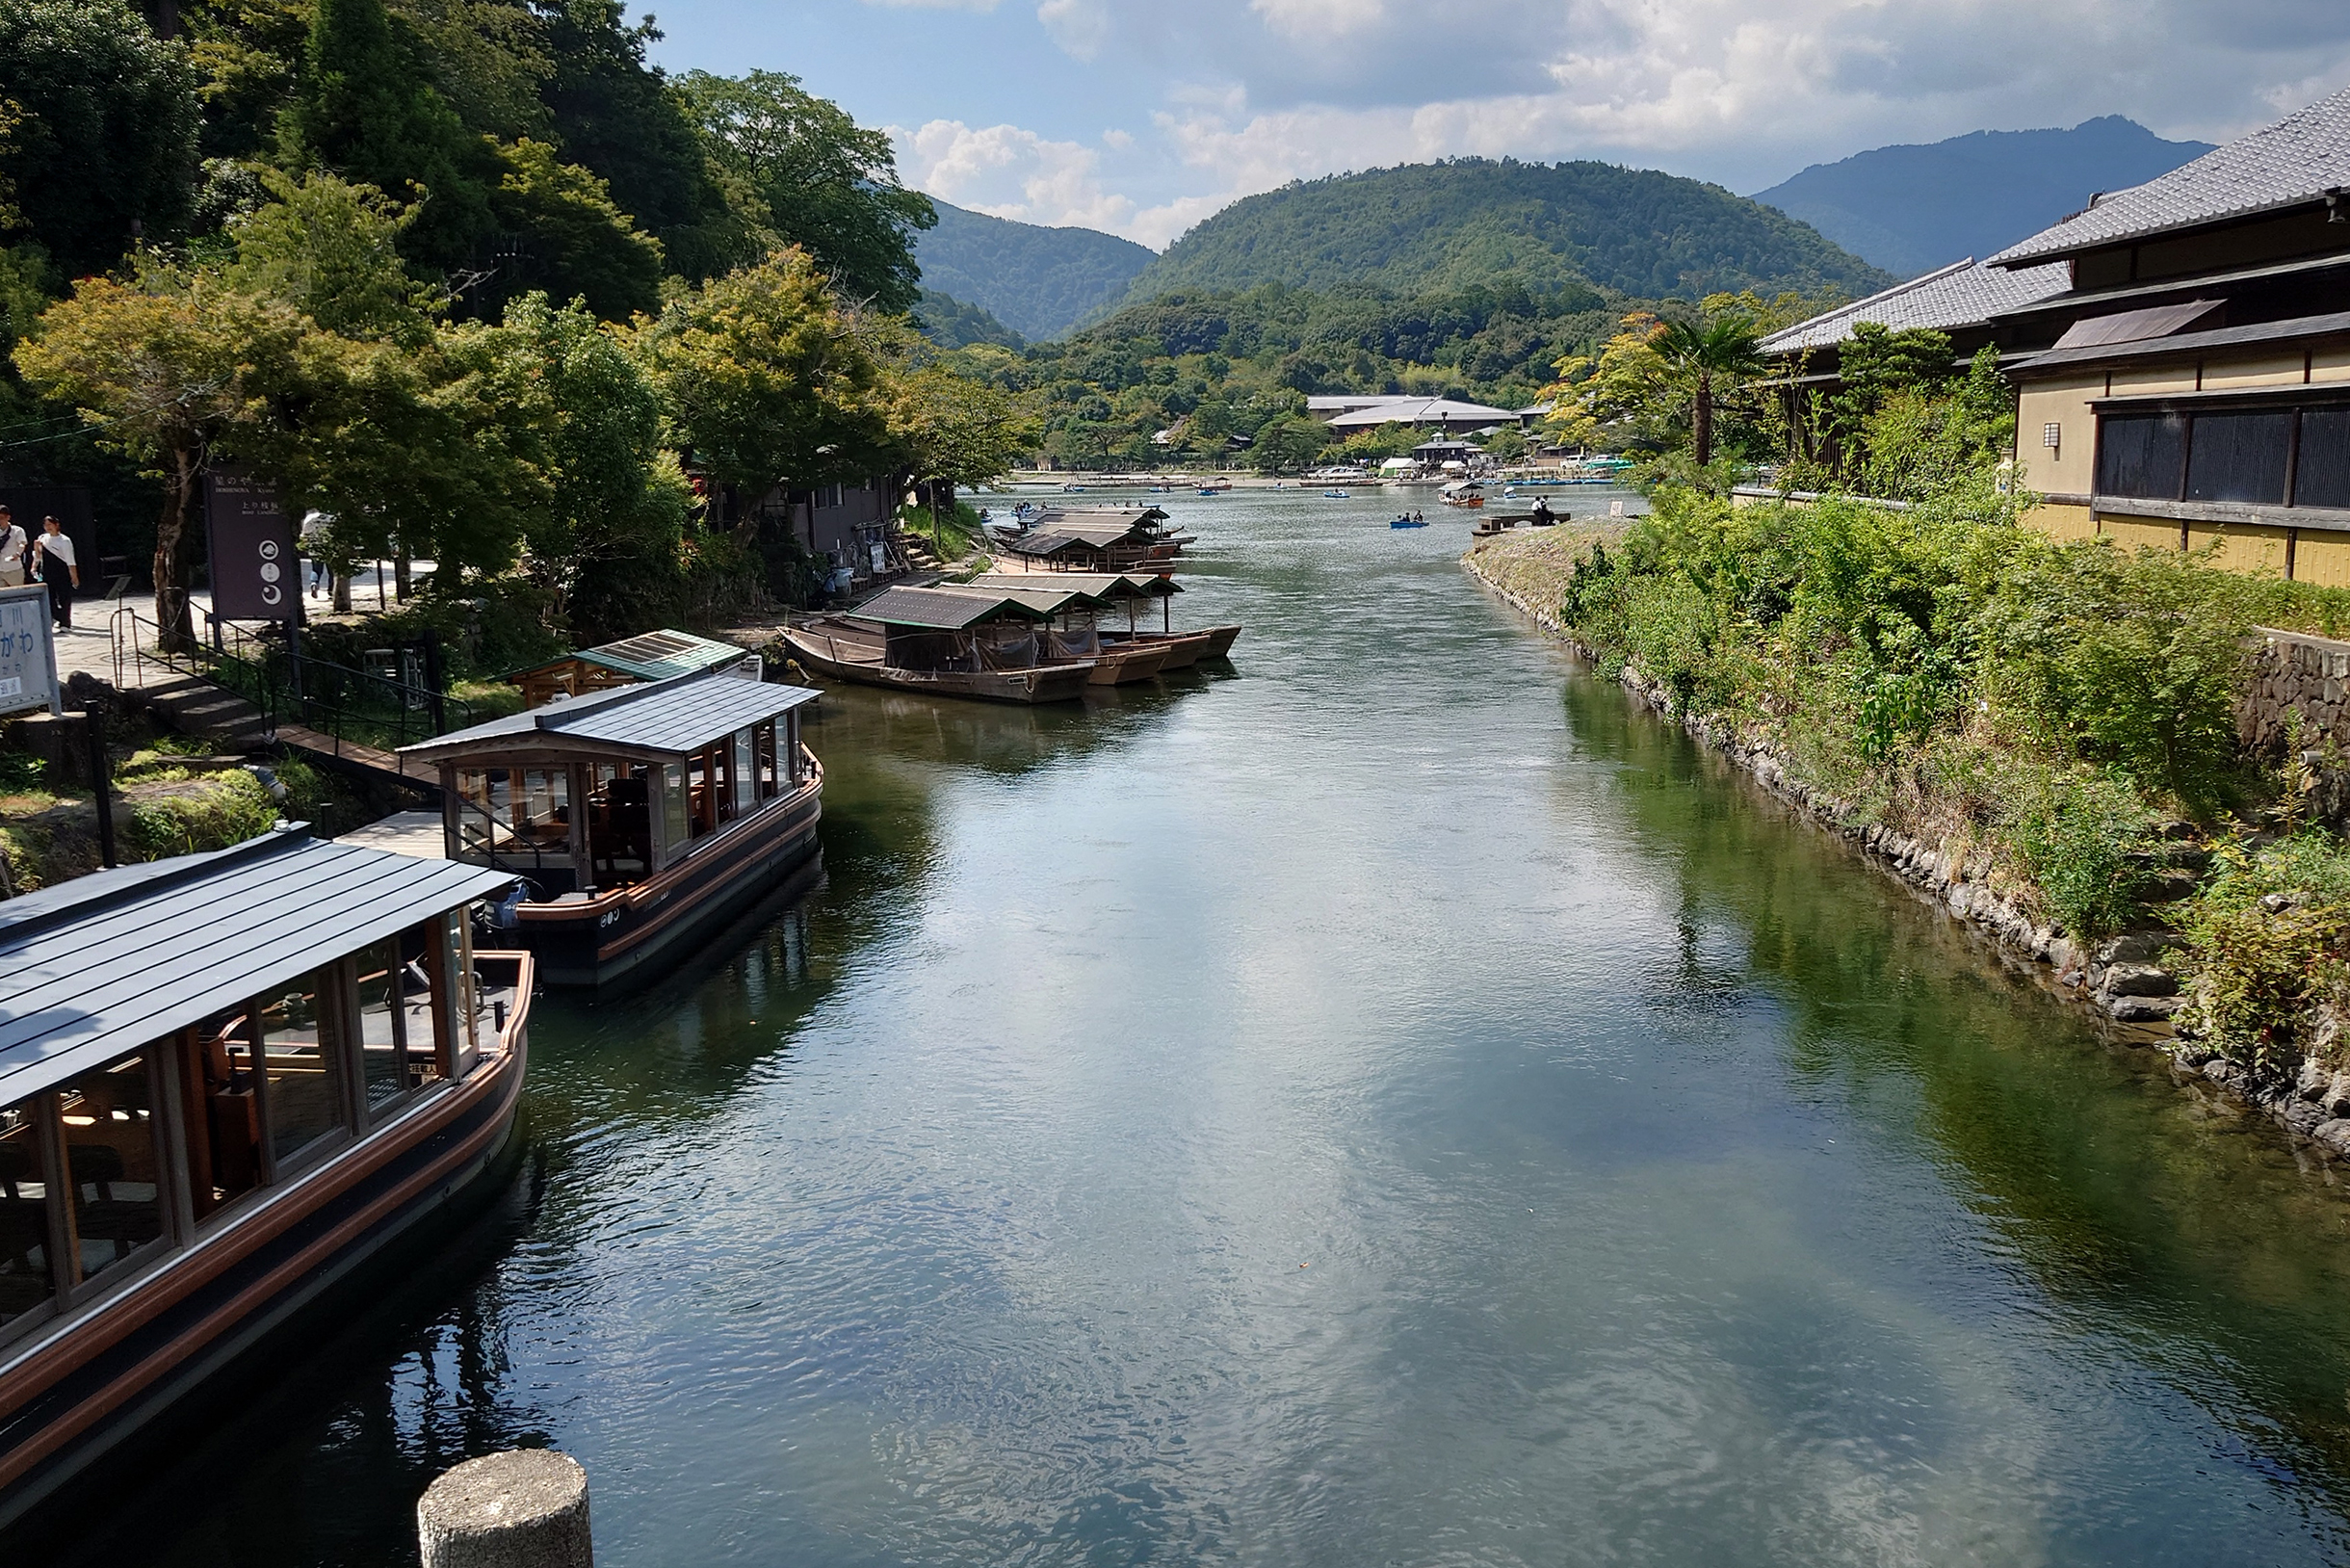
<point x="27" y="658"/>
<point x="256" y="573"/>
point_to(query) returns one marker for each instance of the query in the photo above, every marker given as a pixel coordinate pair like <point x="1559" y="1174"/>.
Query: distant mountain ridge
<point x="1913" y="208"/>
<point x="1038" y="281"/>
<point x="1429" y="227"/>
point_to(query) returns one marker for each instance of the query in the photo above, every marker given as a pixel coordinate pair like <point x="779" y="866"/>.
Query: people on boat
<point x="1542" y="512"/>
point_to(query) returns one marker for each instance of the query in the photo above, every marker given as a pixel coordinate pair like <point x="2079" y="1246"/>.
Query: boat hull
<point x="120" y="1373"/>
<point x="635" y="932"/>
<point x="1124" y="666"/>
<point x="1042" y="683"/>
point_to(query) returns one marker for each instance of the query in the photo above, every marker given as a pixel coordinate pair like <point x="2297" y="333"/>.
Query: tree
<point x="767" y="379"/>
<point x="103" y="149"/>
<point x="580" y="244"/>
<point x="1288" y="441"/>
<point x="818" y="180"/>
<point x="365" y="110"/>
<point x="163" y="367"/>
<point x="956" y="432"/>
<point x="1708" y="358"/>
<point x="617" y="116"/>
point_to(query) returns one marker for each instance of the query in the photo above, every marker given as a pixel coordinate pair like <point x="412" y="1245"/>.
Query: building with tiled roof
<point x="1960" y="299"/>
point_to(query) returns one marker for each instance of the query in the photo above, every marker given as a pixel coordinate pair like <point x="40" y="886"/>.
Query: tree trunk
<point x="1703" y="424"/>
<point x="175" y="625"/>
<point x="399" y="575"/>
<point x="342" y="592"/>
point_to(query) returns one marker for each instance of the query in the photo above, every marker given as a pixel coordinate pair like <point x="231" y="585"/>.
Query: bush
<point x="224" y="809"/>
<point x="2082" y="838"/>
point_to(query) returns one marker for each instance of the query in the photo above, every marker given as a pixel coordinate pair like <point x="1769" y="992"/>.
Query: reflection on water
<point x="1389" y="1103"/>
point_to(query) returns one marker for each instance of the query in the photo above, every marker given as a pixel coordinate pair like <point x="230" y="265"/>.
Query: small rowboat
<point x="1337" y="495"/>
<point x="1408" y="522"/>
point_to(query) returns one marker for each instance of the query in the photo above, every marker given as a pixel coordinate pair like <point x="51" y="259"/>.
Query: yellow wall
<point x="2322" y="556"/>
<point x="2244" y="548"/>
<point x="2330" y="365"/>
<point x="2149" y="379"/>
<point x="2062" y="522"/>
<point x="2270" y="371"/>
<point x="2063" y="402"/>
<point x="2133" y="533"/>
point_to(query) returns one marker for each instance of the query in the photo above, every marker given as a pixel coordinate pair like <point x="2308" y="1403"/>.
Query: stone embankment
<point x="2123" y="978"/>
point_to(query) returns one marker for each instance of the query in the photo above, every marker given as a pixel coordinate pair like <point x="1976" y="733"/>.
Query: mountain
<point x="1427" y="228"/>
<point x="1038" y="281"/>
<point x="951" y="324"/>
<point x="1910" y="209"/>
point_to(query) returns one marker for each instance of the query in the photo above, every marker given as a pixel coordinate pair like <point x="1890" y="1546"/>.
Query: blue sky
<point x="1141" y="118"/>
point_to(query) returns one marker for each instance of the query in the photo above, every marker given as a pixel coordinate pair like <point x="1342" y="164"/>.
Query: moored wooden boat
<point x="635" y="818"/>
<point x="1129" y="592"/>
<point x="226" y="1080"/>
<point x="945" y="642"/>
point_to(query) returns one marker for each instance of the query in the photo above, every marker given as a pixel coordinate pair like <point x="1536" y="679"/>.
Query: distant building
<point x="1446" y="414"/>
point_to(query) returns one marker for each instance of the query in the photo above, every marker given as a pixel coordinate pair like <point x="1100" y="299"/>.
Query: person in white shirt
<point x="53" y="559"/>
<point x="13" y="547"/>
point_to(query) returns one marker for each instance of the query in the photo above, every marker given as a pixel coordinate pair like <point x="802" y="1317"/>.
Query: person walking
<point x="313" y="540"/>
<point x="53" y="560"/>
<point x="13" y="547"/>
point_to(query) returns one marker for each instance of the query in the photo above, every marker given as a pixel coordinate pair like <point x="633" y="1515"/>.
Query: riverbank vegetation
<point x="2066" y="713"/>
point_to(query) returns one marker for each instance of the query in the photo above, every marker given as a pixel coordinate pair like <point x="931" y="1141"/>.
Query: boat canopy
<point x="114" y="962"/>
<point x="1107" y="586"/>
<point x="660" y="719"/>
<point x="648" y="656"/>
<point x="1052" y="600"/>
<point x="941" y="610"/>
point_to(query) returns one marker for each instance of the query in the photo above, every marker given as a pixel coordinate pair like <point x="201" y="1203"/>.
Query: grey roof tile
<point x="2298" y="159"/>
<point x="1964" y="294"/>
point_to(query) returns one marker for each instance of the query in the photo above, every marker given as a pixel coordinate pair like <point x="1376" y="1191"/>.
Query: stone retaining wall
<point x="2295" y="671"/>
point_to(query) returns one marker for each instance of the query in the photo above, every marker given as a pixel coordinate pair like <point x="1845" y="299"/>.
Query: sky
<point x="1143" y="116"/>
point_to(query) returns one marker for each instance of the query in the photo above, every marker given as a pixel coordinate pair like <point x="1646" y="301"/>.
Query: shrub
<point x="2081" y="836"/>
<point x="224" y="809"/>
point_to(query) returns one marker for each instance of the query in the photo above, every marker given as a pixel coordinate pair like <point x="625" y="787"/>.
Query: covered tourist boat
<point x="945" y="642"/>
<point x="634" y="819"/>
<point x="1131" y="592"/>
<point x="1061" y="539"/>
<point x="648" y="656"/>
<point x="1073" y="634"/>
<point x="226" y="1080"/>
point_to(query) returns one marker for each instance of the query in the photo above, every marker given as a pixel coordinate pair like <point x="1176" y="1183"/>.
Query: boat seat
<point x="95" y="1166"/>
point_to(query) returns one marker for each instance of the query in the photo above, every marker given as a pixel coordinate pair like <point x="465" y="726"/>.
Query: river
<point x="1391" y="1102"/>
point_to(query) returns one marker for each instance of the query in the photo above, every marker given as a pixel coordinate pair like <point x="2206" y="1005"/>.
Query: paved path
<point x="89" y="644"/>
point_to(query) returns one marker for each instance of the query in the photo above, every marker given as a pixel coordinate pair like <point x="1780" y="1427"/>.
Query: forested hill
<point x="1915" y="208"/>
<point x="1426" y="227"/>
<point x="1038" y="281"/>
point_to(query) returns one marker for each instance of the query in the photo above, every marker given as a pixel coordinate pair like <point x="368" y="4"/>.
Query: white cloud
<point x="1007" y="171"/>
<point x="1079" y="27"/>
<point x="1321" y="19"/>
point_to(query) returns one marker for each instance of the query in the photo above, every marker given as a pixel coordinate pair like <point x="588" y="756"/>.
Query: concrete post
<point x="524" y="1509"/>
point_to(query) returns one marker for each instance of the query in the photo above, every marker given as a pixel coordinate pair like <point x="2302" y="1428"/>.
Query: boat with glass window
<point x="637" y="818"/>
<point x="226" y="1080"/>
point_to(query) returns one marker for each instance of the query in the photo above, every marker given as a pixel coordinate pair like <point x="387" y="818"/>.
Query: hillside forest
<point x="471" y="279"/>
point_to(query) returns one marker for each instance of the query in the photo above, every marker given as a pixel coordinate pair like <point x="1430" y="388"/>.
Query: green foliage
<point x="579" y="244"/>
<point x="1039" y="281"/>
<point x="212" y="814"/>
<point x="364" y="108"/>
<point x="950" y="323"/>
<point x="1288" y="443"/>
<point x="2269" y="937"/>
<point x="101" y="147"/>
<point x="815" y="178"/>
<point x="1557" y="229"/>
<point x="1943" y="668"/>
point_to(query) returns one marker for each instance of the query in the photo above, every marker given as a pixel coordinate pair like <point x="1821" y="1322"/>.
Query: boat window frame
<point x="339" y="1002"/>
<point x="165" y="1242"/>
<point x="49" y="1153"/>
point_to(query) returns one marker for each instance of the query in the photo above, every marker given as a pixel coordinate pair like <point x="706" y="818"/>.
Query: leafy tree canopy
<point x="101" y="143"/>
<point x="817" y="179"/>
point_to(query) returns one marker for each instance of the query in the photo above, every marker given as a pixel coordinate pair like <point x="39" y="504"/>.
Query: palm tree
<point x="1719" y="352"/>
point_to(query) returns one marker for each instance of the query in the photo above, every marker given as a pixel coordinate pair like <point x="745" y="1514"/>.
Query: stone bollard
<point x="524" y="1509"/>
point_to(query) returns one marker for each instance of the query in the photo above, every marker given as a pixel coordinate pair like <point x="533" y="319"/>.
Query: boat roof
<point x="649" y="656"/>
<point x="941" y="610"/>
<point x="1050" y="598"/>
<point x="101" y="965"/>
<point x="673" y="718"/>
<point x="1104" y="585"/>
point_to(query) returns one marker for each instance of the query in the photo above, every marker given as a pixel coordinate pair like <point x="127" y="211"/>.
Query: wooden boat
<point x="226" y="1080"/>
<point x="944" y="641"/>
<point x="636" y="819"/>
<point x="1408" y="522"/>
<point x="1129" y="592"/>
<point x="1073" y="634"/>
<point x="1466" y="492"/>
<point x="1060" y="539"/>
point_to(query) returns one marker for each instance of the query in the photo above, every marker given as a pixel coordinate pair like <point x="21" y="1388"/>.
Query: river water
<point x="1387" y="1104"/>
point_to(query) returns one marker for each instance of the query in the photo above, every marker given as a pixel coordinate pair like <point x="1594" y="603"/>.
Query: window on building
<point x="2142" y="456"/>
<point x="2322" y="476"/>
<point x="2240" y="457"/>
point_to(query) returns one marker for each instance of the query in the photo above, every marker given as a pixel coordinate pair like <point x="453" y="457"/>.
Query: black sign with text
<point x="255" y="573"/>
